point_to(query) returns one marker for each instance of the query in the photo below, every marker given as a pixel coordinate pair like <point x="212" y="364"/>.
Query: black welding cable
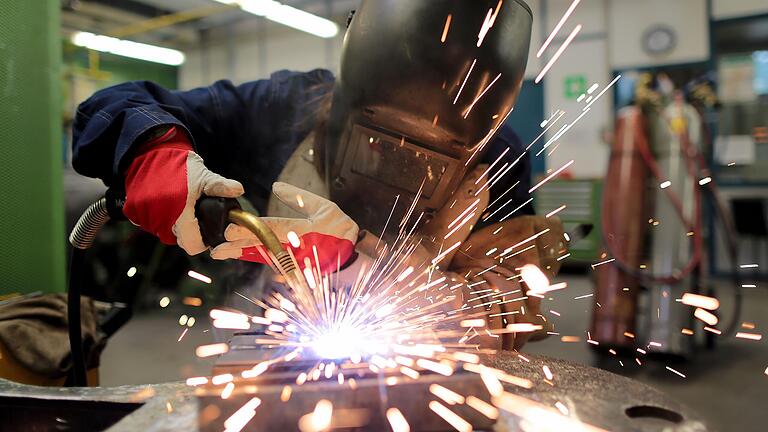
<point x="73" y="318"/>
<point x="81" y="238"/>
<point x="728" y="226"/>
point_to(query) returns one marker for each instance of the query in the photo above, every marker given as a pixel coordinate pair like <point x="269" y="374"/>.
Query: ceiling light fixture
<point x="128" y="48"/>
<point x="289" y="16"/>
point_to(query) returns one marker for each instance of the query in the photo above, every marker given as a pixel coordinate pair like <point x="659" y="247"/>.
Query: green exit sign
<point x="574" y="85"/>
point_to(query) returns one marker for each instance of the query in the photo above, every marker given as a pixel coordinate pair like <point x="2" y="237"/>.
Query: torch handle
<point x="213" y="217"/>
<point x="215" y="213"/>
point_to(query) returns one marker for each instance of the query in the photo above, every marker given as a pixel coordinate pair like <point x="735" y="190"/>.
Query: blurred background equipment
<point x="658" y="170"/>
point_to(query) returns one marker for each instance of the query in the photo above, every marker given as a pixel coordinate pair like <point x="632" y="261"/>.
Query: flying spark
<point x="228" y="389"/>
<point x="548" y="372"/>
<point x="705" y="316"/>
<point x="472" y="67"/>
<point x="700" y="301"/>
<point x="551" y="176"/>
<point x="446" y="28"/>
<point x="211" y="350"/>
<point x="197" y="381"/>
<point x="450" y="417"/>
<point x="397" y="419"/>
<point x="477" y="99"/>
<point x="675" y="372"/>
<point x="557" y="28"/>
<point x="201" y="277"/>
<point x="222" y="379"/>
<point x="555" y="211"/>
<point x="447" y="395"/>
<point x="558" y="53"/>
<point x="490" y="19"/>
<point x="192" y="301"/>
<point x="603" y="262"/>
<point x="241" y="417"/>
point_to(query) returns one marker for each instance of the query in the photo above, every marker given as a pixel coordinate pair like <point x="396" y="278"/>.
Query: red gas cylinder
<point x="624" y="221"/>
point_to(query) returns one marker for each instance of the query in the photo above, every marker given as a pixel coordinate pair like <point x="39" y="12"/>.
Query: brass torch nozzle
<point x="268" y="238"/>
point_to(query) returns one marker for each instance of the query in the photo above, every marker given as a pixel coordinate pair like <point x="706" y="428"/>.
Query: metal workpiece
<point x="361" y="406"/>
<point x="146" y="408"/>
<point x="599" y="398"/>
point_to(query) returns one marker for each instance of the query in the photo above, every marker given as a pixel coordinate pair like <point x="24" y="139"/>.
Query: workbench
<point x="600" y="398"/>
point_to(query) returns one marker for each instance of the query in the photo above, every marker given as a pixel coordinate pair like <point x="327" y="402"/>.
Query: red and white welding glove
<point x="326" y="236"/>
<point x="162" y="185"/>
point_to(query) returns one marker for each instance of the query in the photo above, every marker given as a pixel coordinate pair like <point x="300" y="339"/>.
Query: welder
<point x="415" y="120"/>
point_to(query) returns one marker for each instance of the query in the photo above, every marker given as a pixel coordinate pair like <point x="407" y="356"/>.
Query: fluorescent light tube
<point x="289" y="16"/>
<point x="128" y="48"/>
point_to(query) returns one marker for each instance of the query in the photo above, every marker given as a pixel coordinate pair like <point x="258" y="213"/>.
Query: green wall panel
<point x="32" y="238"/>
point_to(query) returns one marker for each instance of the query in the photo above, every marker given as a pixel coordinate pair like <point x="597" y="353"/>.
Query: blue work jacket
<point x="246" y="132"/>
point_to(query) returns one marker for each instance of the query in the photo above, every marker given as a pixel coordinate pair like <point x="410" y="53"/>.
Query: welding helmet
<point x="423" y="86"/>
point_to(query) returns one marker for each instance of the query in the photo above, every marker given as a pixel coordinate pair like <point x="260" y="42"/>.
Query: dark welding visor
<point x="423" y="86"/>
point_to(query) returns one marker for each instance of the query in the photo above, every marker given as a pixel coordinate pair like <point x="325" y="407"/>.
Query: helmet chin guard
<point x="423" y="86"/>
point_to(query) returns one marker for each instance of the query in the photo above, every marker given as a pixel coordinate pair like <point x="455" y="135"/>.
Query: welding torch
<point x="214" y="214"/>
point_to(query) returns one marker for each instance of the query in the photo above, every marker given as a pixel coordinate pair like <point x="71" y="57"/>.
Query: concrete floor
<point x="727" y="385"/>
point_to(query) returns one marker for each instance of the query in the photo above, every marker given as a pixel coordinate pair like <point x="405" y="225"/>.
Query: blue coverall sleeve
<point x="112" y="121"/>
<point x="242" y="132"/>
<point x="511" y="189"/>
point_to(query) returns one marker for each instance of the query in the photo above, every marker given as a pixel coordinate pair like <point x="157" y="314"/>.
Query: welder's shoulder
<point x="301" y="86"/>
<point x="313" y="77"/>
<point x="505" y="138"/>
<point x="509" y="137"/>
<point x="283" y="86"/>
<point x="130" y="91"/>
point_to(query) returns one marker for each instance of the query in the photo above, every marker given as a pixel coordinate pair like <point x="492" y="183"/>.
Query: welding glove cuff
<point x="163" y="183"/>
<point x="325" y="236"/>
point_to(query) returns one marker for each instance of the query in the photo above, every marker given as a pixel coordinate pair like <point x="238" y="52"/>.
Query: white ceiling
<point x="325" y="8"/>
<point x="101" y="16"/>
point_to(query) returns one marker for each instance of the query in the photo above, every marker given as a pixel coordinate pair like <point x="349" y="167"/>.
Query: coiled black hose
<point x="81" y="238"/>
<point x="89" y="224"/>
